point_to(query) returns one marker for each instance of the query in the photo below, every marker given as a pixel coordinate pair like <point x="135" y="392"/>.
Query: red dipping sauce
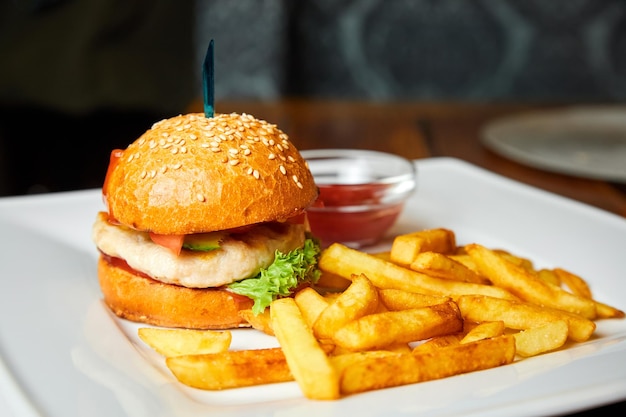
<point x="352" y="214"/>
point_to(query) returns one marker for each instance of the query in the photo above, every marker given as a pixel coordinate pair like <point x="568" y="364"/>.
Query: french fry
<point x="359" y="299"/>
<point x="485" y="330"/>
<point x="311" y="304"/>
<point x="377" y="372"/>
<point x="606" y="311"/>
<point x="544" y="338"/>
<point x="176" y="342"/>
<point x="332" y="282"/>
<point x="344" y="261"/>
<point x="377" y="331"/>
<point x="438" y="342"/>
<point x="441" y="266"/>
<point x="396" y="300"/>
<point x="231" y="369"/>
<point x="521" y="315"/>
<point x="549" y="276"/>
<point x="259" y="321"/>
<point x="574" y="282"/>
<point x="406" y="247"/>
<point x="526" y="285"/>
<point x="307" y="361"/>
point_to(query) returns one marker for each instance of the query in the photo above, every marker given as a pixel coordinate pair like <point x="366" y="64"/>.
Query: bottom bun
<point x="145" y="300"/>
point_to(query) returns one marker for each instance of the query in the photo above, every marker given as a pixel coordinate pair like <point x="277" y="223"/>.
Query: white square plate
<point x="62" y="354"/>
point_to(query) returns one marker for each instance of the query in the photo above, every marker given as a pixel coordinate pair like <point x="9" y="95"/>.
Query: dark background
<point x="79" y="78"/>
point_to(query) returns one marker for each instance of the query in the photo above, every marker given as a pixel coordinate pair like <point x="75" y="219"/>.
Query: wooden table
<point x="420" y="130"/>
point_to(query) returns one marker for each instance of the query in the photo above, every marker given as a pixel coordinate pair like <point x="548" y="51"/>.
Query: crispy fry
<point x="344" y="261"/>
<point x="399" y="369"/>
<point x="526" y="285"/>
<point x="549" y="276"/>
<point x="606" y="311"/>
<point x="484" y="330"/>
<point x="307" y="361"/>
<point x="359" y="299"/>
<point x="311" y="304"/>
<point x="438" y="342"/>
<point x="377" y="331"/>
<point x="574" y="282"/>
<point x="176" y="342"/>
<point x="406" y="247"/>
<point x="260" y="321"/>
<point x="231" y="369"/>
<point x="442" y="266"/>
<point x="544" y="338"/>
<point x="396" y="300"/>
<point x="522" y="315"/>
<point x="332" y="282"/>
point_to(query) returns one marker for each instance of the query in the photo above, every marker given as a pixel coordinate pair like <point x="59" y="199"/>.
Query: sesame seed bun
<point x="191" y="174"/>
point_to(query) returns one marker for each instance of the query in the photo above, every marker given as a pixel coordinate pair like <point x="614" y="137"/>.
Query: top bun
<point x="192" y="174"/>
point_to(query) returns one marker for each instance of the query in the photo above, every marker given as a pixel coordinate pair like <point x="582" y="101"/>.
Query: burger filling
<point x="262" y="262"/>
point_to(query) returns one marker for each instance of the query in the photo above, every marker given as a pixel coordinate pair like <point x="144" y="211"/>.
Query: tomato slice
<point x="172" y="242"/>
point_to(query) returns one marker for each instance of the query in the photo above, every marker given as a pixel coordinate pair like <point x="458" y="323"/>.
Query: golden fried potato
<point x="484" y="330"/>
<point x="359" y="299"/>
<point x="311" y="304"/>
<point x="522" y="315"/>
<point x="344" y="261"/>
<point x="396" y="300"/>
<point x="231" y="369"/>
<point x="526" y="285"/>
<point x="406" y="247"/>
<point x="307" y="360"/>
<point x="375" y="372"/>
<point x="541" y="339"/>
<point x="442" y="266"/>
<point x="176" y="342"/>
<point x="378" y="331"/>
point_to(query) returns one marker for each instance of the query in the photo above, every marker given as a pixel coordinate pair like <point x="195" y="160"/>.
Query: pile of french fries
<point x="426" y="309"/>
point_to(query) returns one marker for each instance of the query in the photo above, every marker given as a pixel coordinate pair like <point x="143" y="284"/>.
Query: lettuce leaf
<point x="280" y="279"/>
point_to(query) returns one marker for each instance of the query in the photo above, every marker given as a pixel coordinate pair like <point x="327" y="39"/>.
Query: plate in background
<point x="585" y="141"/>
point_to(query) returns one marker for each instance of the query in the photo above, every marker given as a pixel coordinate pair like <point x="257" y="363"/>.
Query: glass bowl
<point x="362" y="193"/>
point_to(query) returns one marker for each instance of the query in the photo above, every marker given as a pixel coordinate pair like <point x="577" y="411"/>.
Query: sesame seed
<point x="163" y="169"/>
<point x="200" y="197"/>
<point x="283" y="170"/>
<point x="143" y="174"/>
<point x="216" y="150"/>
<point x="233" y="151"/>
<point x="256" y="174"/>
<point x="177" y="166"/>
<point x="272" y="156"/>
<point x="174" y="151"/>
<point x="233" y="162"/>
<point x="299" y="184"/>
<point x="290" y="158"/>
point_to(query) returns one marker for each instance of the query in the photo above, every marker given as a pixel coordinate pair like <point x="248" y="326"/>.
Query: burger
<point x="204" y="217"/>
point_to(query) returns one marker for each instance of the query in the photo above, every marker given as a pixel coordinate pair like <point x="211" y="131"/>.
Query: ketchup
<point x="352" y="214"/>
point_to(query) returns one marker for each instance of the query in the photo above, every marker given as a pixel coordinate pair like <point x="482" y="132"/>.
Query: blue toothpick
<point x="208" y="83"/>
